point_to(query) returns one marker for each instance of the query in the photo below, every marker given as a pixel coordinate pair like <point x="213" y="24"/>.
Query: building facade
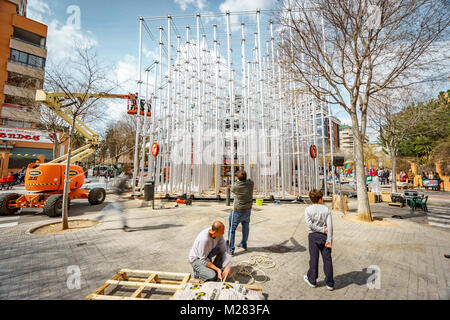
<point x="22" y="63"/>
<point x="346" y="139"/>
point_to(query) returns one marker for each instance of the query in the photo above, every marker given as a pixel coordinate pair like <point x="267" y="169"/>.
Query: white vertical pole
<point x="138" y="123"/>
<point x="144" y="132"/>
<point x="218" y="161"/>
<point x="230" y="100"/>
<point x="261" y="96"/>
<point x="169" y="169"/>
<point x="330" y="115"/>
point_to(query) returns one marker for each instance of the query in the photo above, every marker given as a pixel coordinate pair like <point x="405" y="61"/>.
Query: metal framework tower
<point x="221" y="103"/>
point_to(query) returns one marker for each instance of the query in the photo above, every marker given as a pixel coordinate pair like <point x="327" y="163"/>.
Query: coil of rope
<point x="256" y="263"/>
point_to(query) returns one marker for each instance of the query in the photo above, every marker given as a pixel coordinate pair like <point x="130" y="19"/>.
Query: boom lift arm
<point x="55" y="101"/>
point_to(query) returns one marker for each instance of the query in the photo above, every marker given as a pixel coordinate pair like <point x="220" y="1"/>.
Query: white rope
<point x="256" y="263"/>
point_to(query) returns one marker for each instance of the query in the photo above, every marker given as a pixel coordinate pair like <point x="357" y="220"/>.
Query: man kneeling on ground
<point x="209" y="244"/>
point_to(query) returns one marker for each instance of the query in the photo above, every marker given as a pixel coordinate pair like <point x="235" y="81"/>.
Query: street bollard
<point x="228" y="196"/>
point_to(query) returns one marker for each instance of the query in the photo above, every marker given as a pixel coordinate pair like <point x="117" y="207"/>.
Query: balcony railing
<point x="28" y="42"/>
<point x="26" y="64"/>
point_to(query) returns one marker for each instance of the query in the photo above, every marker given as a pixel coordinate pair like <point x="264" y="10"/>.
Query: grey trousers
<point x="115" y="206"/>
<point x="201" y="271"/>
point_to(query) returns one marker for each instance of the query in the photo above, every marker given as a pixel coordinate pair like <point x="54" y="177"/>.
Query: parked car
<point x="103" y="171"/>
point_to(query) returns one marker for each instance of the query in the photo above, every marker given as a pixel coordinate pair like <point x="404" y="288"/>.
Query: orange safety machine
<point x="45" y="181"/>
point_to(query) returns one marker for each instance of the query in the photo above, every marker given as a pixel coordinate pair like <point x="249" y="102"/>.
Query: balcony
<point x="25" y="70"/>
<point x="19" y="92"/>
<point x="28" y="47"/>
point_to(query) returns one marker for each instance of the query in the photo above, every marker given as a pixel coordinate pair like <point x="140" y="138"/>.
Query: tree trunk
<point x="394" y="172"/>
<point x="364" y="212"/>
<point x="65" y="208"/>
<point x="55" y="148"/>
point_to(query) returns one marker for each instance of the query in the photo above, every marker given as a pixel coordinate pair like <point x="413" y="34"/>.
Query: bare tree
<point x="393" y="117"/>
<point x="120" y="136"/>
<point x="77" y="77"/>
<point x="54" y="125"/>
<point x="346" y="51"/>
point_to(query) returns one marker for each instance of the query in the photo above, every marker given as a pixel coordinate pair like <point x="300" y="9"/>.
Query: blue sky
<point x="112" y="27"/>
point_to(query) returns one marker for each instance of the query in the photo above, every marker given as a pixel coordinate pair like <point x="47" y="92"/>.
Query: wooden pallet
<point x="168" y="282"/>
<point x="396" y="204"/>
<point x="165" y="282"/>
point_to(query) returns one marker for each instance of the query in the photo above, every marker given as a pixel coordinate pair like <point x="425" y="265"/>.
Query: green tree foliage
<point x="431" y="132"/>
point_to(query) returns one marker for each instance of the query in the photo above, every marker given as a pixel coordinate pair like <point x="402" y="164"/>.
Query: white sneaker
<point x="305" y="277"/>
<point x="330" y="288"/>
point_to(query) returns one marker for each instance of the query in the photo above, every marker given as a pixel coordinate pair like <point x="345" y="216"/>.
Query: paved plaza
<point x="409" y="256"/>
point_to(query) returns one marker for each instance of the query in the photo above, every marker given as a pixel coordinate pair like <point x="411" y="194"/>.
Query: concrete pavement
<point x="409" y="257"/>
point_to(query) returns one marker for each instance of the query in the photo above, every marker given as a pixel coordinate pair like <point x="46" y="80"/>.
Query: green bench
<point x="417" y="202"/>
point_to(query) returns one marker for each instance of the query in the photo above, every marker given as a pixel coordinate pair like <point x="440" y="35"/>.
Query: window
<point x="23" y="57"/>
<point x="27" y="59"/>
<point x="29" y="37"/>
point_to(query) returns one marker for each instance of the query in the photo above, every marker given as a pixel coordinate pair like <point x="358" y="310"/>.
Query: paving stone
<point x="410" y="256"/>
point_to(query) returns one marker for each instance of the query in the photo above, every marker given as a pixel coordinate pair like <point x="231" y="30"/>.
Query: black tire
<point x="4" y="199"/>
<point x="97" y="196"/>
<point x="53" y="205"/>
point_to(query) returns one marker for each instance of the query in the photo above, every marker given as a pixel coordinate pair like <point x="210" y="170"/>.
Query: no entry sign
<point x="313" y="151"/>
<point x="155" y="149"/>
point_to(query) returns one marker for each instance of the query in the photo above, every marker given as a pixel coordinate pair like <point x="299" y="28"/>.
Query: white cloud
<point x="200" y="4"/>
<point x="244" y="5"/>
<point x="127" y="74"/>
<point x="37" y="9"/>
<point x="61" y="40"/>
<point x="61" y="37"/>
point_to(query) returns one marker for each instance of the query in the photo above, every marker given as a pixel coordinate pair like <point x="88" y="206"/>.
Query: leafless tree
<point x="77" y="77"/>
<point x="54" y="125"/>
<point x="344" y="52"/>
<point x="394" y="117"/>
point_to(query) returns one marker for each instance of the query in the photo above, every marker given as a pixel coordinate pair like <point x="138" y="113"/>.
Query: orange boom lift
<point x="45" y="181"/>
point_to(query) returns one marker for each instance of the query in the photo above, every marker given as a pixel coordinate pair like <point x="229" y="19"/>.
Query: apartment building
<point x="22" y="63"/>
<point x="346" y="139"/>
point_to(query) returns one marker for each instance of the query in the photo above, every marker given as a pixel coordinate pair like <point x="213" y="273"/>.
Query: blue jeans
<point x="234" y="220"/>
<point x="203" y="272"/>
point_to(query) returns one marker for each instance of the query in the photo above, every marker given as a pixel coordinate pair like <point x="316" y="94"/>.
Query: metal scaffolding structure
<point x="222" y="101"/>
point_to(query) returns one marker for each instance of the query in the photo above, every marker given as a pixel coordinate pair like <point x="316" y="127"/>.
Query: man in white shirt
<point x="320" y="238"/>
<point x="209" y="244"/>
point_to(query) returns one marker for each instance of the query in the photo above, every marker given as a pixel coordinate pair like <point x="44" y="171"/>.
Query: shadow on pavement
<point x="144" y="228"/>
<point x="343" y="280"/>
<point x="295" y="247"/>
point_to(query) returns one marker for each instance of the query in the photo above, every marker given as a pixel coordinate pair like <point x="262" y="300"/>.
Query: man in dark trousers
<point x="243" y="200"/>
<point x="320" y="238"/>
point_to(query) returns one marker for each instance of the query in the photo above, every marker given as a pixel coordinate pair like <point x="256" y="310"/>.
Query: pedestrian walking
<point x="320" y="239"/>
<point x="242" y="207"/>
<point x="381" y="176"/>
<point x="10" y="180"/>
<point x="22" y="174"/>
<point x="210" y="244"/>
<point x="386" y="176"/>
<point x="116" y="206"/>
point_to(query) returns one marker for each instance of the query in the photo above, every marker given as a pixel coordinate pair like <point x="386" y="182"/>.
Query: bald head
<point x="217" y="229"/>
<point x="217" y="225"/>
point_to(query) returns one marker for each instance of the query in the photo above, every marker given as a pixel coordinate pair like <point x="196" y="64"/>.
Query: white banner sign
<point x="24" y="135"/>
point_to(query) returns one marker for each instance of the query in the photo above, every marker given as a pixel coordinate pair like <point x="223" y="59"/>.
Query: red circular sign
<point x="155" y="149"/>
<point x="313" y="151"/>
